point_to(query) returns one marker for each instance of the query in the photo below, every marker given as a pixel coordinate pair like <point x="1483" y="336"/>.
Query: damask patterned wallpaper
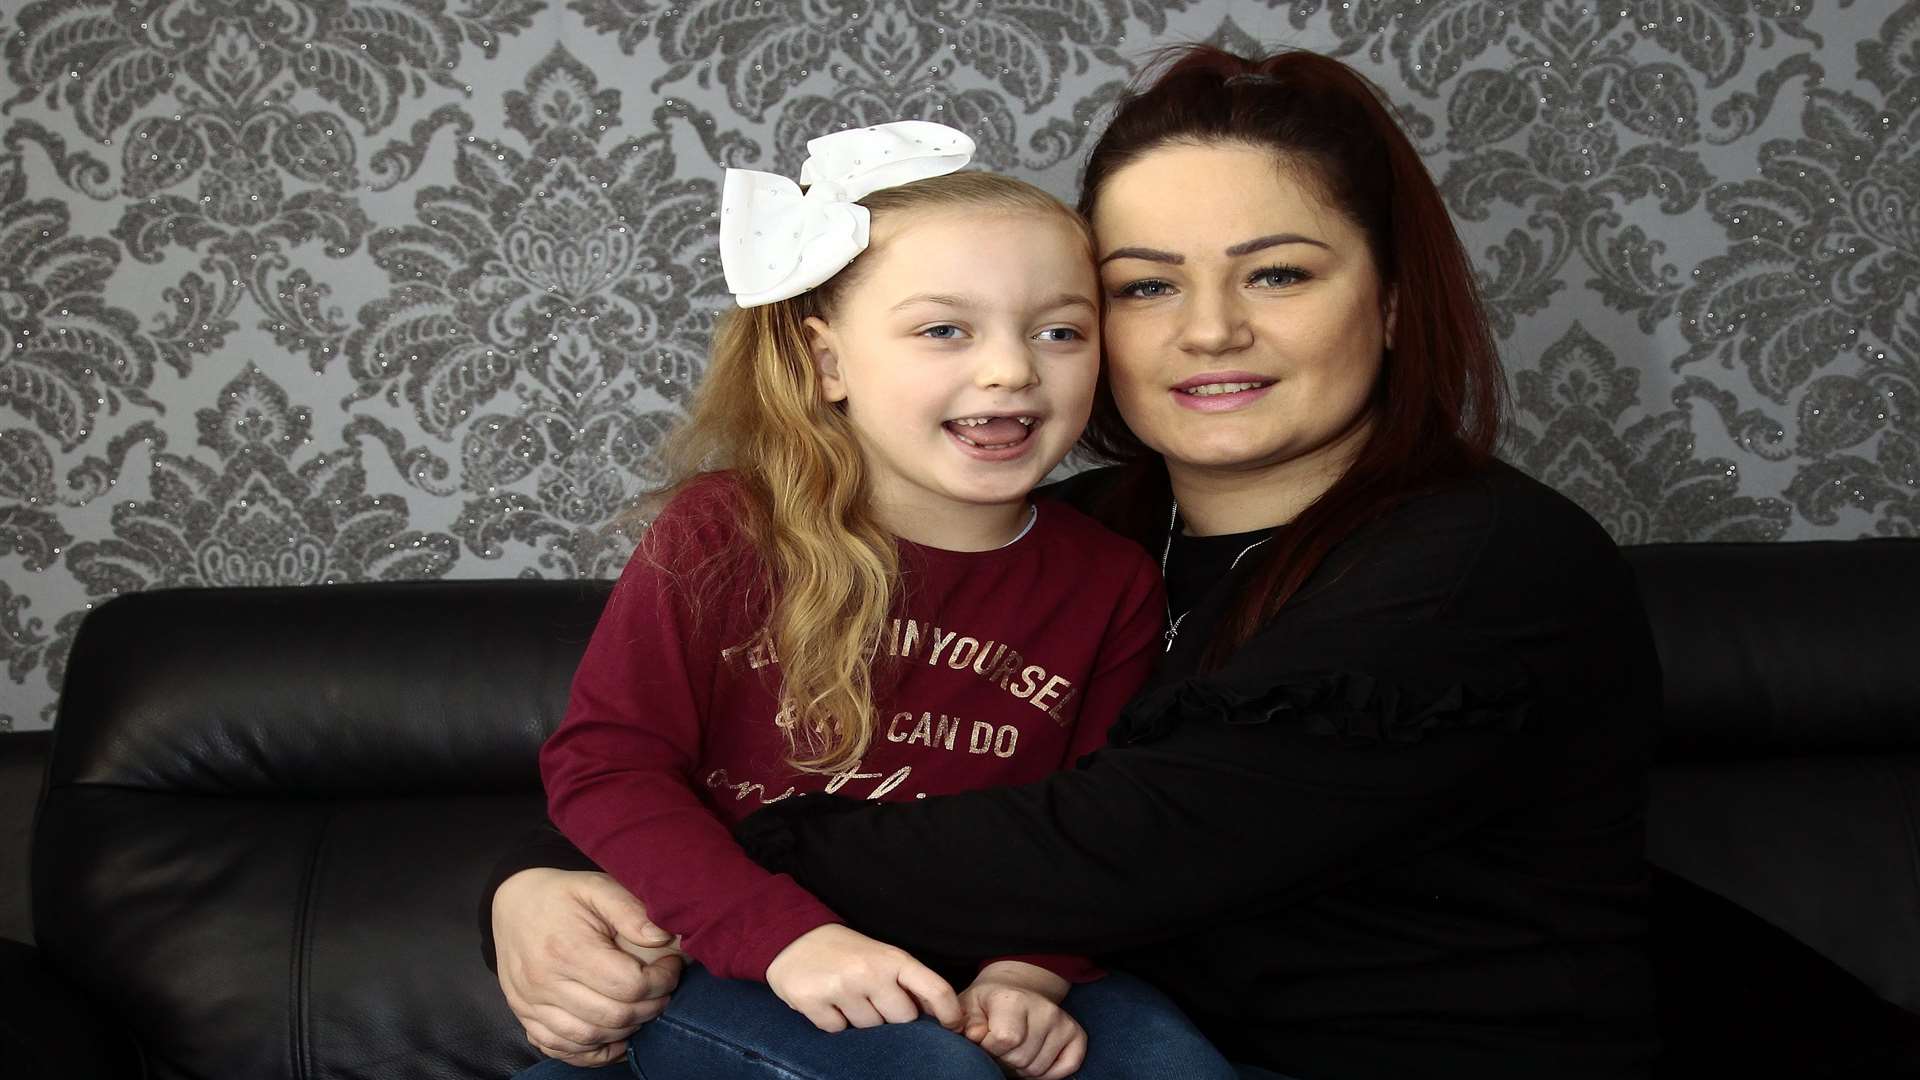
<point x="306" y="291"/>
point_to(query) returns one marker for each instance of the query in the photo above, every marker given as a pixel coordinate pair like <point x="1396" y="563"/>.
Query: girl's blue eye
<point x="1070" y="334"/>
<point x="943" y="332"/>
<point x="1277" y="276"/>
<point x="1144" y="290"/>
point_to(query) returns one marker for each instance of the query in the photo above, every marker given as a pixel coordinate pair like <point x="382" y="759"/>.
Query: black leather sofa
<point x="268" y="815"/>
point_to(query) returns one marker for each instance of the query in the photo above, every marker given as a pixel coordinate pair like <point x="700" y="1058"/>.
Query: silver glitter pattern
<point x="346" y="290"/>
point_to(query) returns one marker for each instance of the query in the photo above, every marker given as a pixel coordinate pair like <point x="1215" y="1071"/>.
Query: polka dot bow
<point x="776" y="242"/>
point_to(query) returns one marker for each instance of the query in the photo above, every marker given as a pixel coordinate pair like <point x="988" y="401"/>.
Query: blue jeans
<point x="724" y="1029"/>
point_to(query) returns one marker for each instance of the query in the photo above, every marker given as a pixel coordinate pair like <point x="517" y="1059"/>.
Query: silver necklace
<point x="1173" y="624"/>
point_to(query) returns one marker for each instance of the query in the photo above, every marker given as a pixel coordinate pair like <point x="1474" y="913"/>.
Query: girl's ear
<point x="1391" y="314"/>
<point x="821" y="345"/>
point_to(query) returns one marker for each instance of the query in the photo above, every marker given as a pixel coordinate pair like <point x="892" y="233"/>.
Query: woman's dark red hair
<point x="1441" y="395"/>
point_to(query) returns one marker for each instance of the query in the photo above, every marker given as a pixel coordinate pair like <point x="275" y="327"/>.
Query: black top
<point x="1398" y="833"/>
<point x="1196" y="564"/>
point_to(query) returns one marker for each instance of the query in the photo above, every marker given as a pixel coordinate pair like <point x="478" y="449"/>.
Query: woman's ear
<point x="826" y="364"/>
<point x="1391" y="314"/>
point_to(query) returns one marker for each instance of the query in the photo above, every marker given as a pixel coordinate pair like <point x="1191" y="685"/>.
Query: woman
<point x="1380" y="811"/>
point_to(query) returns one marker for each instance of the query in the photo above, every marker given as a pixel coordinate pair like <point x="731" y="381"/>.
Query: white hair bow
<point x="776" y="242"/>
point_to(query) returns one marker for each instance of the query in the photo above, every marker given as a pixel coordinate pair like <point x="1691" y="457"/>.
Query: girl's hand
<point x="1013" y="1012"/>
<point x="838" y="978"/>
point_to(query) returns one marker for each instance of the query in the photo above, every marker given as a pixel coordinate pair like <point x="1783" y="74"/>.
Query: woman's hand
<point x="558" y="937"/>
<point x="1013" y="1012"/>
<point x="838" y="978"/>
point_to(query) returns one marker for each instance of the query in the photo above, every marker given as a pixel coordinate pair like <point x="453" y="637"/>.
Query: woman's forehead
<point x="1181" y="197"/>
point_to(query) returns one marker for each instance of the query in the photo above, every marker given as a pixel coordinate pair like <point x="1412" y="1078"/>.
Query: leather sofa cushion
<point x="328" y="939"/>
<point x="1772" y="649"/>
<point x="1822" y="847"/>
<point x="416" y="687"/>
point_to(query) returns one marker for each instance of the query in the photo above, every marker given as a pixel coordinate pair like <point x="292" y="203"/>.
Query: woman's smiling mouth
<point x="1221" y="391"/>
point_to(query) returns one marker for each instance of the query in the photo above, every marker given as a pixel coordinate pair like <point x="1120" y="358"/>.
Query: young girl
<point x="849" y="591"/>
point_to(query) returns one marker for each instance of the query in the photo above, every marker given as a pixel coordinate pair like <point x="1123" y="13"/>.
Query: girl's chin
<point x="1009" y="488"/>
<point x="996" y="495"/>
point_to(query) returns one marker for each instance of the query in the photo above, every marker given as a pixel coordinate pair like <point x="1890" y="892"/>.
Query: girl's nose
<point x="1007" y="367"/>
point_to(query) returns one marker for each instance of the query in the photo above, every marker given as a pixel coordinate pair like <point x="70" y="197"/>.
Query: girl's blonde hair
<point x="829" y="568"/>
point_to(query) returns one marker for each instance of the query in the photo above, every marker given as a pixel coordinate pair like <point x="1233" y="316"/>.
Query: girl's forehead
<point x="1001" y="260"/>
<point x="936" y="224"/>
<point x="904" y="242"/>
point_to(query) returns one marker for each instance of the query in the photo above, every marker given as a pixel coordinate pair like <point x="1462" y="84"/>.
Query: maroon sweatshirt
<point x="1000" y="667"/>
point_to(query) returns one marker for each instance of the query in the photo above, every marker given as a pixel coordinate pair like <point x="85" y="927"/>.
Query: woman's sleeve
<point x="1383" y="714"/>
<point x="540" y="848"/>
<point x="1215" y="819"/>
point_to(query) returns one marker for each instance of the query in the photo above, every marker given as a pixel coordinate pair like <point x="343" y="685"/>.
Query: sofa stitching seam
<point x="299" y="1049"/>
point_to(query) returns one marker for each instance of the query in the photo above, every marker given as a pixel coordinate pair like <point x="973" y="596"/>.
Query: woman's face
<point x="1245" y="317"/>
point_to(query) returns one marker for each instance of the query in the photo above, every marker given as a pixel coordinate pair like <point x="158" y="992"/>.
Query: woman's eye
<point x="1144" y="290"/>
<point x="943" y="332"/>
<point x="1060" y="333"/>
<point x="1277" y="276"/>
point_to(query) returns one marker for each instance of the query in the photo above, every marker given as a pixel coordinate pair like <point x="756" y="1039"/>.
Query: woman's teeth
<point x="1213" y="389"/>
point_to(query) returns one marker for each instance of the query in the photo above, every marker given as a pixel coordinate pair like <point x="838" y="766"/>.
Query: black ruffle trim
<point x="1348" y="704"/>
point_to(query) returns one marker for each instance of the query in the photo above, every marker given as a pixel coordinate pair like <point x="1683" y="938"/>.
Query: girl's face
<point x="966" y="352"/>
<point x="1245" y="318"/>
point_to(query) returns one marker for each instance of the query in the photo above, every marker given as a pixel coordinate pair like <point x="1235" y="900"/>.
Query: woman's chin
<point x="1227" y="452"/>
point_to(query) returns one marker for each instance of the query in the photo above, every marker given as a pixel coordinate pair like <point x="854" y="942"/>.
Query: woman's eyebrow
<point x="1245" y="247"/>
<point x="1149" y="254"/>
<point x="1276" y="240"/>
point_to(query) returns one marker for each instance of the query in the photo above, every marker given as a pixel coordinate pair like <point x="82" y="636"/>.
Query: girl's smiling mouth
<point x="1000" y="436"/>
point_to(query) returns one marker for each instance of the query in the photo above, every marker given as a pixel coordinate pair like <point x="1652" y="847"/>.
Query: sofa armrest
<point x="49" y="1029"/>
<point x="1739" y="996"/>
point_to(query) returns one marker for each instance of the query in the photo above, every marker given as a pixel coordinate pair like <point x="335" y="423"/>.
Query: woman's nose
<point x="1214" y="322"/>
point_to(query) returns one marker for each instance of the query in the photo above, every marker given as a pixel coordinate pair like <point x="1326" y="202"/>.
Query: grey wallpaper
<point x="343" y="290"/>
